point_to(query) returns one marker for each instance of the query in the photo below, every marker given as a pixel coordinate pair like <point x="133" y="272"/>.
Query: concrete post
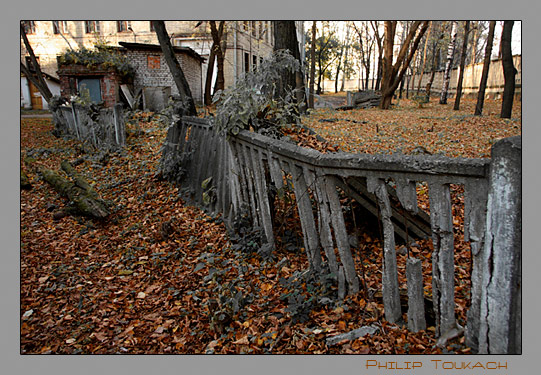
<point x="501" y="304"/>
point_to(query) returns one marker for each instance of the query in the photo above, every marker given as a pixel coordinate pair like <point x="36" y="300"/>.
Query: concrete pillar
<point x="501" y="305"/>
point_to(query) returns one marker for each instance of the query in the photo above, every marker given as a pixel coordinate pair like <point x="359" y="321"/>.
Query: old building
<point x="152" y="75"/>
<point x="31" y="97"/>
<point x="102" y="82"/>
<point x="247" y="42"/>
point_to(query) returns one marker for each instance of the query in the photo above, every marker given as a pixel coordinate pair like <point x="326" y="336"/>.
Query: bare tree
<point x="326" y="44"/>
<point x="346" y="61"/>
<point x="486" y="65"/>
<point x="33" y="72"/>
<point x="339" y="65"/>
<point x="509" y="70"/>
<point x="219" y="50"/>
<point x="449" y="63"/>
<point x="215" y="51"/>
<point x="462" y="65"/>
<point x="312" y="66"/>
<point x="435" y="53"/>
<point x="366" y="44"/>
<point x="393" y="73"/>
<point x="175" y="68"/>
<point x="424" y="56"/>
<point x="285" y="37"/>
<point x="379" y="43"/>
<point x="208" y="79"/>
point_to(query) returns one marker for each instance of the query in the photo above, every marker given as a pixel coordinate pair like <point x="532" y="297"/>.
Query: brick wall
<point x="152" y="71"/>
<point x="109" y="82"/>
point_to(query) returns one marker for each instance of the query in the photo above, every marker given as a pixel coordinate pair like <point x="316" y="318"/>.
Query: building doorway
<point x="35" y="96"/>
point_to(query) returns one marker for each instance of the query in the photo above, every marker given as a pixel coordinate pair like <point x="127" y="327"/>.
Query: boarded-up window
<point x="153" y="62"/>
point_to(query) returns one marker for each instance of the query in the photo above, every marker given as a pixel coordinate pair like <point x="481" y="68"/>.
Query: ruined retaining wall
<point x="234" y="176"/>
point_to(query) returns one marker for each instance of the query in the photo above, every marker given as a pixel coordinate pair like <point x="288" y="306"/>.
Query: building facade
<point x="153" y="77"/>
<point x="247" y="42"/>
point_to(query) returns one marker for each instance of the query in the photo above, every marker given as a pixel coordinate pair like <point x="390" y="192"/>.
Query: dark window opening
<point x="60" y="27"/>
<point x="92" y="27"/>
<point x="246" y="61"/>
<point x="29" y="27"/>
<point x="122" y="26"/>
<point x="92" y="86"/>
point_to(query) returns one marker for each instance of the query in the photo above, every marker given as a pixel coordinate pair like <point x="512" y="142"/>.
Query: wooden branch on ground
<point x="83" y="201"/>
<point x="77" y="178"/>
<point x="25" y="181"/>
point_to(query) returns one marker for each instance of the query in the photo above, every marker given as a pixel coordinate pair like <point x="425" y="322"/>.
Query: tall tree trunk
<point x="484" y="75"/>
<point x="35" y="76"/>
<point x="345" y="59"/>
<point x="175" y="68"/>
<point x="338" y="69"/>
<point x="509" y="70"/>
<point x="448" y="64"/>
<point x="424" y="58"/>
<point x="219" y="51"/>
<point x="393" y="74"/>
<point x="380" y="54"/>
<point x="285" y="37"/>
<point x="208" y="79"/>
<point x="312" y="65"/>
<point x="462" y="65"/>
<point x="401" y="43"/>
<point x="414" y="70"/>
<point x="320" y="73"/>
<point x="435" y="53"/>
<point x="476" y="25"/>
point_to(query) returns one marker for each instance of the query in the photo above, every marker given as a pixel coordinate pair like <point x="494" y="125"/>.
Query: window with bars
<point x="253" y="27"/>
<point x="261" y="29"/>
<point x="122" y="26"/>
<point x="29" y="27"/>
<point x="60" y="27"/>
<point x="92" y="27"/>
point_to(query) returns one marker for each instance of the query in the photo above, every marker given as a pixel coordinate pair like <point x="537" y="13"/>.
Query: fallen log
<point x="25" y="181"/>
<point x="81" y="200"/>
<point x="77" y="178"/>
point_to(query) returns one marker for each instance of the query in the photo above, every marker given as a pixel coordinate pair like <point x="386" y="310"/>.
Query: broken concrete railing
<point x="498" y="299"/>
<point x="234" y="176"/>
<point x="102" y="128"/>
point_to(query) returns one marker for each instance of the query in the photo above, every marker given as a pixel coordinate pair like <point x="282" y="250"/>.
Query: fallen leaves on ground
<point x="438" y="128"/>
<point x="159" y="276"/>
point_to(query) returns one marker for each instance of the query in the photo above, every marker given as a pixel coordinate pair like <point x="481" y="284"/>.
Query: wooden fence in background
<point x="103" y="128"/>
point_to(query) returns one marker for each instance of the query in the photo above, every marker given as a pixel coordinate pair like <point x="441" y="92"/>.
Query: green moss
<point x="101" y="56"/>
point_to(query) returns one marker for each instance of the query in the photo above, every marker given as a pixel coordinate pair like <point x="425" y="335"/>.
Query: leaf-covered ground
<point x="159" y="276"/>
<point x="438" y="128"/>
